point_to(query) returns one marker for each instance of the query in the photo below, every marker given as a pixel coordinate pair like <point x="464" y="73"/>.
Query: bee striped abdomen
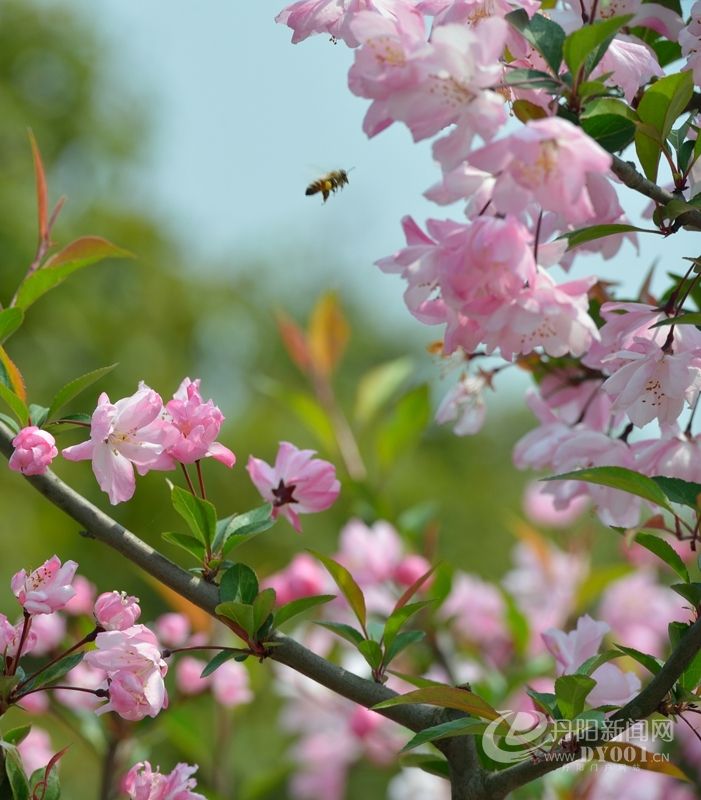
<point x="328" y="183"/>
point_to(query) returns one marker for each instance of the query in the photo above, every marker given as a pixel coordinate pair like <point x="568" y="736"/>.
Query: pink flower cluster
<point x="143" y="783"/>
<point x="140" y="432"/>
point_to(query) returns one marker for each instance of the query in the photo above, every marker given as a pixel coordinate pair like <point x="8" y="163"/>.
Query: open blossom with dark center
<point x="143" y="783"/>
<point x="46" y="589"/>
<point x="125" y="434"/>
<point x="34" y="451"/>
<point x="297" y="484"/>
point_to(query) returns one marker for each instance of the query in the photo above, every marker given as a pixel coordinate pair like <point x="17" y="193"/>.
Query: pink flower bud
<point x="83" y="600"/>
<point x="34" y="451"/>
<point x="230" y="685"/>
<point x="116" y="611"/>
<point x="187" y="675"/>
<point x="46" y="589"/>
<point x="410" y="569"/>
<point x="172" y="629"/>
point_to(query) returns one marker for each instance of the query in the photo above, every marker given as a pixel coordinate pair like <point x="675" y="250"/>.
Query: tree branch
<point x="630" y="176"/>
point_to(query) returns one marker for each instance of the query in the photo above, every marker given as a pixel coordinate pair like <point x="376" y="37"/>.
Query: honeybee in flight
<point x="331" y="182"/>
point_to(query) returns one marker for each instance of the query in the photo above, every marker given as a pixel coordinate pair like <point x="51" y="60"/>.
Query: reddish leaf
<point x="42" y="192"/>
<point x="295" y="341"/>
<point x="411" y="591"/>
<point x="13" y="374"/>
<point x="328" y="334"/>
<point x="630" y="755"/>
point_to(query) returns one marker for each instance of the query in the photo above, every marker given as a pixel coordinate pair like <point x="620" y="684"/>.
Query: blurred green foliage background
<point x="162" y="319"/>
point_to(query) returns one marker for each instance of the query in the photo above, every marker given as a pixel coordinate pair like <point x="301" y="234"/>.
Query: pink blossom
<point x="10" y="636"/>
<point x="187" y="675"/>
<point x="135" y="671"/>
<point x="115" y="611"/>
<point x="674" y="454"/>
<point x="82" y="676"/>
<point x="172" y="629"/>
<point x="370" y="553"/>
<point x="230" y="685"/>
<point x="83" y="600"/>
<point x="584" y="449"/>
<point x="655" y="383"/>
<point x="49" y="630"/>
<point x="543" y="315"/>
<point x="142" y="783"/>
<point x="547" y="161"/>
<point x="464" y="405"/>
<point x="539" y="508"/>
<point x="36" y="702"/>
<point x="46" y="589"/>
<point x="613" y="686"/>
<point x="35" y="749"/>
<point x="690" y="41"/>
<point x="572" y="649"/>
<point x="34" y="451"/>
<point x="641" y="625"/>
<point x="476" y="611"/>
<point x="655" y="16"/>
<point x="303" y="577"/>
<point x="297" y="484"/>
<point x="125" y="434"/>
<point x="197" y="424"/>
<point x="410" y="569"/>
<point x="631" y="63"/>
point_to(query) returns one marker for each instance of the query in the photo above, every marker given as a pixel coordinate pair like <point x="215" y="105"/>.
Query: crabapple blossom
<point x="690" y="41"/>
<point x="135" y="671"/>
<point x="172" y="629"/>
<point x="655" y="16"/>
<point x="50" y="630"/>
<point x="297" y="484"/>
<point x="547" y="162"/>
<point x="674" y="454"/>
<point x="35" y="749"/>
<point x="46" y="589"/>
<point x="410" y="569"/>
<point x="230" y="685"/>
<point x="83" y="600"/>
<point x="142" y="783"/>
<point x="116" y="611"/>
<point x="11" y="635"/>
<point x="303" y="577"/>
<point x="123" y="435"/>
<point x="34" y="451"/>
<point x="188" y="672"/>
<point x="629" y="65"/>
<point x="82" y="676"/>
<point x="197" y="423"/>
<point x="539" y="508"/>
<point x="655" y="383"/>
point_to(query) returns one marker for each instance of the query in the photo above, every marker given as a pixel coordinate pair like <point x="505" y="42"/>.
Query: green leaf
<point x="200" y="515"/>
<point x="665" y="551"/>
<point x="678" y="491"/>
<point x="16" y="406"/>
<point x="587" y="45"/>
<point x="75" y="387"/>
<point x="311" y="414"/>
<point x="77" y="255"/>
<point x="546" y="36"/>
<point x="692" y="318"/>
<point x="52" y="673"/>
<point x="400" y="642"/>
<point x="37" y="414"/>
<point x="593" y="663"/>
<point x="10" y="422"/>
<point x="405" y="425"/>
<point x="445" y="697"/>
<point x="426" y="762"/>
<point x="15" y="773"/>
<point x="660" y="106"/>
<point x="584" y="235"/>
<point x="689" y="591"/>
<point x="612" y="131"/>
<point x="216" y="662"/>
<point x="16" y="735"/>
<point x="346" y="632"/>
<point x="371" y="652"/>
<point x="517" y="622"/>
<point x="691" y="676"/>
<point x="263" y="605"/>
<point x="295" y="607"/>
<point x="238" y="583"/>
<point x="626" y="480"/>
<point x="414" y="680"/>
<point x="50" y="787"/>
<point x="379" y="385"/>
<point x="571" y="692"/>
<point x="649" y="662"/>
<point x="545" y="701"/>
<point x="239" y="528"/>
<point x="345" y="582"/>
<point x="531" y="79"/>
<point x="10" y="320"/>
<point x="186" y="542"/>
<point x="398" y="619"/>
<point x="240" y="613"/>
<point x="456" y="727"/>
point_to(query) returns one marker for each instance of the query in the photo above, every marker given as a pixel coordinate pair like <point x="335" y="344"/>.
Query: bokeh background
<point x="186" y="133"/>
